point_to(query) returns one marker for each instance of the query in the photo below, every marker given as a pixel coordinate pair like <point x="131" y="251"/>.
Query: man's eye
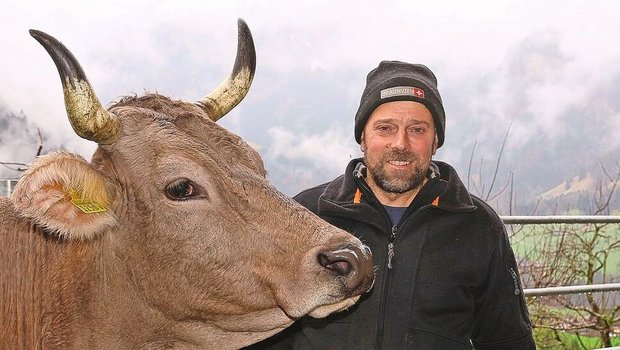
<point x="417" y="130"/>
<point x="181" y="189"/>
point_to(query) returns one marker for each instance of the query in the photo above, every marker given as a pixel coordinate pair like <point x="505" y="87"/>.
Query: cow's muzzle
<point x="352" y="264"/>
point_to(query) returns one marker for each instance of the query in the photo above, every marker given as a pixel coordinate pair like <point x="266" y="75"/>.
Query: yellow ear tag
<point x="86" y="206"/>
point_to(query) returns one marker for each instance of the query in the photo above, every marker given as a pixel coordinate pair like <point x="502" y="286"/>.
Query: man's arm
<point x="503" y="321"/>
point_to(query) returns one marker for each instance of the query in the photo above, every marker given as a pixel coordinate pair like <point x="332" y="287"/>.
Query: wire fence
<point x="572" y="289"/>
<point x="6" y="186"/>
<point x="590" y="288"/>
<point x="560" y="219"/>
<point x="565" y="219"/>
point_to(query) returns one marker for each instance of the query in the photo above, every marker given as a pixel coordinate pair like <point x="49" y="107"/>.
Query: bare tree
<point x="477" y="183"/>
<point x="561" y="255"/>
<point x="564" y="255"/>
<point x="22" y="166"/>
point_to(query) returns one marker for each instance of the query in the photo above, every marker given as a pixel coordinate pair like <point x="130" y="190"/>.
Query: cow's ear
<point x="64" y="194"/>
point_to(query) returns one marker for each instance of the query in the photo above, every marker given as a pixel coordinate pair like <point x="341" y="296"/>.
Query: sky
<point x="527" y="67"/>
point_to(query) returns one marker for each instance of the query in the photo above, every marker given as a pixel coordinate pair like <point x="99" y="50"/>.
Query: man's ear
<point x="62" y="193"/>
<point x="435" y="143"/>
<point x="362" y="143"/>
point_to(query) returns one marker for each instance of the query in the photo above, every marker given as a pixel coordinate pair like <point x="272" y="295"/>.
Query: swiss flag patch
<point x="418" y="92"/>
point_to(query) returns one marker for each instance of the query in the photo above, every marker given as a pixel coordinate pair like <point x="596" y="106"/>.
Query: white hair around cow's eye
<point x="183" y="189"/>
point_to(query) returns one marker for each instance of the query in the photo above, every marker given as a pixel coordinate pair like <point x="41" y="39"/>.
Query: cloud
<point x="296" y="161"/>
<point x="19" y="142"/>
<point x="534" y="90"/>
<point x="331" y="149"/>
<point x="526" y="64"/>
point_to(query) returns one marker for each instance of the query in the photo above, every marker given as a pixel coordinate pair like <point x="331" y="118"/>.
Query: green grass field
<point x="531" y="237"/>
<point x="527" y="243"/>
<point x="570" y="341"/>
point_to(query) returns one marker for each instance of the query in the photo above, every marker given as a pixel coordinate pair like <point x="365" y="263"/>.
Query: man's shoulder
<point x="487" y="219"/>
<point x="484" y="209"/>
<point x="309" y="197"/>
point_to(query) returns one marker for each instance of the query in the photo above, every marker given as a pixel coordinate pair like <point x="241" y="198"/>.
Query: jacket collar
<point x="350" y="190"/>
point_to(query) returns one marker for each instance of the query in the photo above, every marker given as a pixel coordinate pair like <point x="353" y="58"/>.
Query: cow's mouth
<point x="325" y="310"/>
<point x="331" y="280"/>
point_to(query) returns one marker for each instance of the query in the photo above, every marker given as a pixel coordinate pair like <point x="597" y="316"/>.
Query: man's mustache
<point x="399" y="156"/>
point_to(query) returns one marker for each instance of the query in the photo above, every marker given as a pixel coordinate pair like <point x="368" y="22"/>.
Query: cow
<point x="170" y="237"/>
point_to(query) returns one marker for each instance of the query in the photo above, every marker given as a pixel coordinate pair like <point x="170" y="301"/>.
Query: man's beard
<point x="399" y="182"/>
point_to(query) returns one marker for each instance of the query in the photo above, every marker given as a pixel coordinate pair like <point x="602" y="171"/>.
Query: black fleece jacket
<point x="446" y="274"/>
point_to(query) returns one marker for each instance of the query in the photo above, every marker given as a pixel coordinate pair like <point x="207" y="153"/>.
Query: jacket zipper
<point x="388" y="274"/>
<point x="515" y="280"/>
<point x="386" y="287"/>
<point x="391" y="247"/>
<point x="388" y="279"/>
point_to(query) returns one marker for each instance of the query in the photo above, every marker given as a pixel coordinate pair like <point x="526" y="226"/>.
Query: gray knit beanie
<point x="401" y="81"/>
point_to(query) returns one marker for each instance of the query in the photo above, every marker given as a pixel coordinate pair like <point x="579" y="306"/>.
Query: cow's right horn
<point x="234" y="88"/>
<point x="87" y="116"/>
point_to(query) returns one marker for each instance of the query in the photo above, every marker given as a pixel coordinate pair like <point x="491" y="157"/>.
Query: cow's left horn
<point x="87" y="116"/>
<point x="234" y="88"/>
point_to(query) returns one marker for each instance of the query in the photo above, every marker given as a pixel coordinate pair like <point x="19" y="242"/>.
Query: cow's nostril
<point x="351" y="264"/>
<point x="336" y="263"/>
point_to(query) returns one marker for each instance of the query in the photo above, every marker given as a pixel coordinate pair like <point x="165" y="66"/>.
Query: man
<point x="446" y="274"/>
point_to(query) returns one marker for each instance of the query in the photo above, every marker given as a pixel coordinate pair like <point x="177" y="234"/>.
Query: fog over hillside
<point x="540" y="71"/>
<point x="555" y="157"/>
<point x="19" y="142"/>
<point x="546" y="146"/>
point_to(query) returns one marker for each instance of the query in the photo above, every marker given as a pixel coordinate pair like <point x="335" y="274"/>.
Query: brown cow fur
<point x="225" y="269"/>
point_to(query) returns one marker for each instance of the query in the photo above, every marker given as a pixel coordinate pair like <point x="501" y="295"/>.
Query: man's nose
<point x="400" y="140"/>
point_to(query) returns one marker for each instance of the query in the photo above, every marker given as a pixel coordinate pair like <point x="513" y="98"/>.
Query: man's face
<point x="398" y="142"/>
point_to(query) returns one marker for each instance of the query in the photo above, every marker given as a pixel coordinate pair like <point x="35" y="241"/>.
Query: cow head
<point x="183" y="224"/>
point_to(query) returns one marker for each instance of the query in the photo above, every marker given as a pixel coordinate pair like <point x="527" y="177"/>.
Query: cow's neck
<point x="45" y="287"/>
<point x="52" y="289"/>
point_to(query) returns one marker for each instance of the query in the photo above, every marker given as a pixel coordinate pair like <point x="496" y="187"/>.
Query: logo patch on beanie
<point x="402" y="91"/>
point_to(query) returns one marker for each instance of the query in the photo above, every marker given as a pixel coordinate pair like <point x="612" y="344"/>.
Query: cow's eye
<point x="181" y="189"/>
